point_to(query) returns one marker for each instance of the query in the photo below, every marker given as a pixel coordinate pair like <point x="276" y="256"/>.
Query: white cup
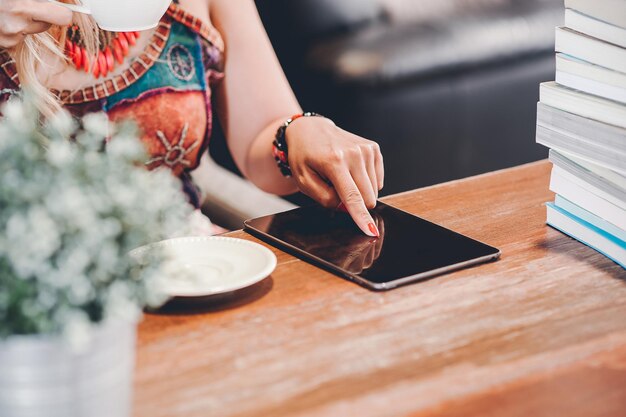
<point x="122" y="15"/>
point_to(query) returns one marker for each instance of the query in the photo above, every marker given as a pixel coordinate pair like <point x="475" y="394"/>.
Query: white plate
<point x="212" y="265"/>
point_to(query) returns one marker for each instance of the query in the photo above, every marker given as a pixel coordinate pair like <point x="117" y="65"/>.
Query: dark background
<point x="447" y="94"/>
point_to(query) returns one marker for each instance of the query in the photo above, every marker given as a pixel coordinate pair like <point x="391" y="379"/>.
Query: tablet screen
<point x="407" y="246"/>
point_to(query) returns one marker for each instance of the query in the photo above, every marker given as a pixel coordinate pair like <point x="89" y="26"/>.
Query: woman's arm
<point x="328" y="164"/>
<point x="255" y="96"/>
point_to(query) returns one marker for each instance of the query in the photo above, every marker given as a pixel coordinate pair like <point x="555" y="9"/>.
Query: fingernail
<point x="342" y="207"/>
<point x="374" y="229"/>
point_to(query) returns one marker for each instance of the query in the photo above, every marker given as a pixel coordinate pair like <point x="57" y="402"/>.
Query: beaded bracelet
<point x="280" y="150"/>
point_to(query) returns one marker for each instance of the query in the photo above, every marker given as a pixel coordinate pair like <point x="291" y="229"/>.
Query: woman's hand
<point x="19" y="18"/>
<point x="333" y="166"/>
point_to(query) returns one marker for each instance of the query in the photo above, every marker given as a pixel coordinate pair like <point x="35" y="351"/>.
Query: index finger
<point x="43" y="11"/>
<point x="353" y="201"/>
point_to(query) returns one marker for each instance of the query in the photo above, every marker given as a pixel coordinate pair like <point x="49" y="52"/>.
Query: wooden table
<point x="540" y="333"/>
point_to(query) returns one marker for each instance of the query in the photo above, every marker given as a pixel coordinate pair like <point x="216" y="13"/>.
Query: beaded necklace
<point x="114" y="47"/>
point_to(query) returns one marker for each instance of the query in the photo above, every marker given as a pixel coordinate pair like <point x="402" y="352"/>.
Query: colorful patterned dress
<point x="166" y="90"/>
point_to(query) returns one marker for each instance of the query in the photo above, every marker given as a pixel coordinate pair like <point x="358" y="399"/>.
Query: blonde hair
<point x="29" y="55"/>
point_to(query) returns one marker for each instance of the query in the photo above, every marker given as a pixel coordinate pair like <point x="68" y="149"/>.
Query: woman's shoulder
<point x="198" y="8"/>
<point x="195" y="14"/>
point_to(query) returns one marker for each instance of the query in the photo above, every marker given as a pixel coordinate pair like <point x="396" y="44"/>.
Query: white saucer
<point x="212" y="265"/>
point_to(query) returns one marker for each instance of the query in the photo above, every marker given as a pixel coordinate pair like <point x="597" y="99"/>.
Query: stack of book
<point x="582" y="119"/>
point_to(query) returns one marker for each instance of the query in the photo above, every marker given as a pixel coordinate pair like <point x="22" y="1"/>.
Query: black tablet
<point x="409" y="249"/>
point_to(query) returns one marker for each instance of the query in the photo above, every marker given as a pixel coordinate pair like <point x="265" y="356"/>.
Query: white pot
<point x="42" y="377"/>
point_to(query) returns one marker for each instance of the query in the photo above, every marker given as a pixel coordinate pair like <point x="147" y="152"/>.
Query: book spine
<point x="580" y="231"/>
<point x="602" y="110"/>
<point x="593" y="174"/>
<point x="595" y="28"/>
<point x="587" y="199"/>
<point x="591" y="87"/>
<point x="570" y="65"/>
<point x="591" y="218"/>
<point x="610" y="11"/>
<point x="589" y="49"/>
<point x="576" y="126"/>
<point x="586" y="150"/>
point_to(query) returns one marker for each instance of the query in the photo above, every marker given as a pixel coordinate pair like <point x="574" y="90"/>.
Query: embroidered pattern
<point x="176" y="153"/>
<point x="180" y="61"/>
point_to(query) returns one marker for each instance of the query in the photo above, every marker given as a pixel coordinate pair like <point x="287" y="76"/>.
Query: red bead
<point x="109" y="57"/>
<point x="69" y="48"/>
<point x="96" y="68"/>
<point x="102" y="63"/>
<point x="132" y="40"/>
<point x="117" y="51"/>
<point x="123" y="43"/>
<point x="85" y="59"/>
<point x="77" y="57"/>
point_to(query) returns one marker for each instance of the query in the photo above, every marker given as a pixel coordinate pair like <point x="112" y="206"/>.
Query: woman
<point x="204" y="54"/>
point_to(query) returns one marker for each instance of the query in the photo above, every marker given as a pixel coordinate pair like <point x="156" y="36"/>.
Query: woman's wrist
<point x="280" y="148"/>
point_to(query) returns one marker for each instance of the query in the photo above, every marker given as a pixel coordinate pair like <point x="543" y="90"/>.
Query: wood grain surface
<point x="542" y="332"/>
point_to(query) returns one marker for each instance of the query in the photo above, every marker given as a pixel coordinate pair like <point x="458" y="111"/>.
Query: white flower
<point x="14" y="112"/>
<point x="69" y="214"/>
<point x="61" y="124"/>
<point x="97" y="124"/>
<point x="126" y="147"/>
<point x="35" y="238"/>
<point x="60" y="153"/>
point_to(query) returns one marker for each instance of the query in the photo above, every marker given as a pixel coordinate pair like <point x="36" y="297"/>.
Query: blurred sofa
<point x="447" y="87"/>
